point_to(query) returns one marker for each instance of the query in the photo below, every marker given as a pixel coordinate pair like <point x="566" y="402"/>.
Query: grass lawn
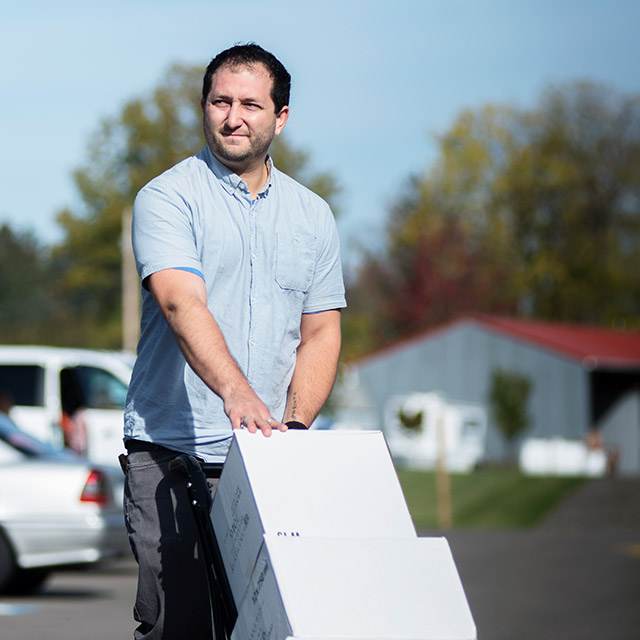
<point x="487" y="498"/>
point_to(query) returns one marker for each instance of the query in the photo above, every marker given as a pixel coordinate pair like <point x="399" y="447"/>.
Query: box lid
<point x="299" y="478"/>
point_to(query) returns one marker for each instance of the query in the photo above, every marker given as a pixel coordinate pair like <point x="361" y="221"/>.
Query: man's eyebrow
<point x="222" y="96"/>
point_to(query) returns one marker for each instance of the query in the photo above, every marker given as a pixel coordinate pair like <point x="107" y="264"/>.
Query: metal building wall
<point x="620" y="428"/>
<point x="458" y="362"/>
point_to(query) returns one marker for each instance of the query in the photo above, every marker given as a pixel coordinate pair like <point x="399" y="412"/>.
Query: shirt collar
<point x="231" y="181"/>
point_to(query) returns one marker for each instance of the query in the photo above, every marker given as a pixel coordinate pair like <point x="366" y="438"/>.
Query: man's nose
<point x="234" y="116"/>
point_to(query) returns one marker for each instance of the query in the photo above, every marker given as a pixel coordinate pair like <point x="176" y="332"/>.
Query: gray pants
<point x="172" y="601"/>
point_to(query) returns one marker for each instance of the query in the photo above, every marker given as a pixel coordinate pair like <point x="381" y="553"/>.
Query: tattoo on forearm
<point x="294" y="405"/>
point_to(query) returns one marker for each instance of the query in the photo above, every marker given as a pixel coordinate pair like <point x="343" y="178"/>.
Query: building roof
<point x="595" y="347"/>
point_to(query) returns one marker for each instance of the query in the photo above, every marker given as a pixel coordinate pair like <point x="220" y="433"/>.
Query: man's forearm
<point x="205" y="349"/>
<point x="182" y="298"/>
<point x="316" y="367"/>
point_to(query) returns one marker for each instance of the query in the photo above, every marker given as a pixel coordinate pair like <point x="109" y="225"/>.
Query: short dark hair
<point x="248" y="55"/>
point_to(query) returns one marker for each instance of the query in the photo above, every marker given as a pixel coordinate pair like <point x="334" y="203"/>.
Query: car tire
<point x="26" y="581"/>
<point x="8" y="566"/>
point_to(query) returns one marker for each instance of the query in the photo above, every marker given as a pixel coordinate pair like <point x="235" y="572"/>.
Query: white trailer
<point x="420" y="427"/>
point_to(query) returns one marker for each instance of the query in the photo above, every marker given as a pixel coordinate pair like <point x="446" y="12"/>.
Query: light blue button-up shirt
<point x="265" y="262"/>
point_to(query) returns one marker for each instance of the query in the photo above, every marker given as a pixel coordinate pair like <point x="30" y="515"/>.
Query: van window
<point x="24" y="383"/>
<point x="91" y="388"/>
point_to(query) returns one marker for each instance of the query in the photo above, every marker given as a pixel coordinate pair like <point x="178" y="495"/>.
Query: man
<point x="242" y="291"/>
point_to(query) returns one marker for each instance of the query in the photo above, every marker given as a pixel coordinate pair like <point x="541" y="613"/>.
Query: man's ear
<point x="281" y="119"/>
<point x="202" y="104"/>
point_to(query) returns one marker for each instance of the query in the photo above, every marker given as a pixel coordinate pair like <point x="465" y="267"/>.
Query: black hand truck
<point x="223" y="608"/>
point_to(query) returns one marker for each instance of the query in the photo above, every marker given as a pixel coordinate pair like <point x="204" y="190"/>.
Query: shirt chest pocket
<point x="295" y="260"/>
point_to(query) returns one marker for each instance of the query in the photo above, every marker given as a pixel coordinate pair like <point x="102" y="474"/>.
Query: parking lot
<point x="74" y="604"/>
<point x="576" y="576"/>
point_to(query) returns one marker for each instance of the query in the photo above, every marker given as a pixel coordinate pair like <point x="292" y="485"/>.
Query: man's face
<point x="239" y="116"/>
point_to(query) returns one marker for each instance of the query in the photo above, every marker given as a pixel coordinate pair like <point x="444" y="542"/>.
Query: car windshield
<point x="26" y="443"/>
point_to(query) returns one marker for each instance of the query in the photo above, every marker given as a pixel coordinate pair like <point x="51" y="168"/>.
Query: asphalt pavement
<point x="576" y="576"/>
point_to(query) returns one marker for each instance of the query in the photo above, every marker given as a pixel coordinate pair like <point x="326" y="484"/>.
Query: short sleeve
<point x="327" y="289"/>
<point x="163" y="232"/>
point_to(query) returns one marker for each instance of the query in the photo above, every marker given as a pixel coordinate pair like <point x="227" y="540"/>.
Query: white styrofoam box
<point x="355" y="589"/>
<point x="304" y="483"/>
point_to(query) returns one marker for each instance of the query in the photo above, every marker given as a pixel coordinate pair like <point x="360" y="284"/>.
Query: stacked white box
<point x="355" y="589"/>
<point x="304" y="483"/>
<point x="318" y="543"/>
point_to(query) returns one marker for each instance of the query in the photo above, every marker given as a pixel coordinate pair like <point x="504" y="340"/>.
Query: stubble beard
<point x="257" y="148"/>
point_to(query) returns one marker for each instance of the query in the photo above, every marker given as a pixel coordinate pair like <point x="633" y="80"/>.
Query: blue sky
<point x="373" y="82"/>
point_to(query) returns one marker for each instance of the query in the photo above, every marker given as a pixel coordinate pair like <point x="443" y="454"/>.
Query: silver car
<point x="56" y="509"/>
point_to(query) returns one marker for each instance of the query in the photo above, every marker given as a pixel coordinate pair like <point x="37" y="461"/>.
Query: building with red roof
<point x="584" y="379"/>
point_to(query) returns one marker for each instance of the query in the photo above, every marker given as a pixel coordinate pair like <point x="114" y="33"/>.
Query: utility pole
<point x="130" y="287"/>
<point x="444" y="508"/>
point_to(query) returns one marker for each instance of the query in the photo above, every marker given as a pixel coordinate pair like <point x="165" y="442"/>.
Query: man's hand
<point x="247" y="410"/>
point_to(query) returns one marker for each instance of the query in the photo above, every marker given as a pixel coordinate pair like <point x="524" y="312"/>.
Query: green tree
<point x="571" y="192"/>
<point x="554" y="190"/>
<point x="149" y="135"/>
<point x="508" y="400"/>
<point x="26" y="301"/>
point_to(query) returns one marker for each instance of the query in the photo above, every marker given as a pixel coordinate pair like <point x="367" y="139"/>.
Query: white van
<point x="48" y="385"/>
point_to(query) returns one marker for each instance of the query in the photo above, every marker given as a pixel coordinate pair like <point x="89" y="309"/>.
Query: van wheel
<point x="8" y="567"/>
